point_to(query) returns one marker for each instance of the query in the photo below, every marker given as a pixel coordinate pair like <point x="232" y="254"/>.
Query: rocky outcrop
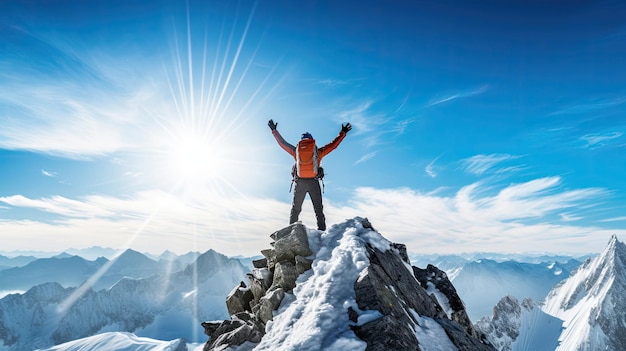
<point x="389" y="287"/>
<point x="251" y="305"/>
<point x="406" y="304"/>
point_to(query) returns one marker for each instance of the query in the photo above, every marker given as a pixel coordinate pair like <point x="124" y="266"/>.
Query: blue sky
<point x="490" y="126"/>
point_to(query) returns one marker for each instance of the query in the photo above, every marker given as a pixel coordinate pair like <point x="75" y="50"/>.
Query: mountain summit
<point x="347" y="288"/>
<point x="592" y="302"/>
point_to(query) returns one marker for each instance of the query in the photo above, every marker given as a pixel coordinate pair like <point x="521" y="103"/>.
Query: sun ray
<point x="79" y="292"/>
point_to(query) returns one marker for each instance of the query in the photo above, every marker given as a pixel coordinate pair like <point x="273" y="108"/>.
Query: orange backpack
<point x="307" y="165"/>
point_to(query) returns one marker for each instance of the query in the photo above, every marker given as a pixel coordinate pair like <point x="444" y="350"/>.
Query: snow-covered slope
<point x="520" y="327"/>
<point x="360" y="293"/>
<point x="592" y="303"/>
<point x="484" y="282"/>
<point x="115" y="341"/>
<point x="165" y="307"/>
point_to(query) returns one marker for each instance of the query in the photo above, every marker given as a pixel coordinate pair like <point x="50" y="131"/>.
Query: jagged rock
<point x="291" y="242"/>
<point x="303" y="264"/>
<point x="285" y="276"/>
<point x="269" y="303"/>
<point x="401" y="251"/>
<point x="239" y="299"/>
<point x="264" y="276"/>
<point x="398" y="302"/>
<point x="260" y="280"/>
<point x="270" y="257"/>
<point x="388" y="333"/>
<point x="389" y="287"/>
<point x="388" y="269"/>
<point x="240" y="328"/>
<point x="260" y="263"/>
<point x="440" y="281"/>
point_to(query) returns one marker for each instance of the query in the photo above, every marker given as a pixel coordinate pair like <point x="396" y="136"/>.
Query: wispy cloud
<point x="236" y="226"/>
<point x="374" y="128"/>
<point x="48" y="173"/>
<point x="457" y="95"/>
<point x="431" y="168"/>
<point x="97" y="101"/>
<point x="614" y="219"/>
<point x="598" y="140"/>
<point x="568" y="217"/>
<point x="590" y="107"/>
<point x="366" y="157"/>
<point x="333" y="82"/>
<point x="516" y="218"/>
<point x="479" y="164"/>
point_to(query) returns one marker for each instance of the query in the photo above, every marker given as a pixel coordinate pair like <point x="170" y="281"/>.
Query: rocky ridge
<point x="406" y="300"/>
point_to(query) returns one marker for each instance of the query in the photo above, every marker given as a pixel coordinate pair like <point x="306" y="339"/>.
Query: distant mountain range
<point x="163" y="304"/>
<point x="584" y="312"/>
<point x="521" y="276"/>
<point x="72" y="271"/>
<point x="164" y="297"/>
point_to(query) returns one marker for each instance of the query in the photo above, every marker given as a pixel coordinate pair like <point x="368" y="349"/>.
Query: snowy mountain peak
<point x="592" y="302"/>
<point x="347" y="288"/>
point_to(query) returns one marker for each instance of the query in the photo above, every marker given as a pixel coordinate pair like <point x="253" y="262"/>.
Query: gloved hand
<point x="272" y="125"/>
<point x="346" y="128"/>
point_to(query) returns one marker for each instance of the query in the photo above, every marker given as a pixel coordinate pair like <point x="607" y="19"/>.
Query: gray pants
<point x="312" y="187"/>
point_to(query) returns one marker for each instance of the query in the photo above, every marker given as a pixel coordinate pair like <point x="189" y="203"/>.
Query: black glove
<point x="346" y="128"/>
<point x="272" y="125"/>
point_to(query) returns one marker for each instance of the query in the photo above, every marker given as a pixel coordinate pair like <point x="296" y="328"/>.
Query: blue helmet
<point x="307" y="135"/>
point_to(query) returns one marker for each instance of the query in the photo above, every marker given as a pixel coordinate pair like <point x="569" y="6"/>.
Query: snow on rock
<point x="161" y="306"/>
<point x="592" y="302"/>
<point x="520" y="327"/>
<point x="360" y="293"/>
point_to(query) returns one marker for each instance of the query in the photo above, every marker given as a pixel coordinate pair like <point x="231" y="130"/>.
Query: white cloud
<point x="595" y="141"/>
<point x="614" y="219"/>
<point x="514" y="219"/>
<point x="48" y="173"/>
<point x="366" y="157"/>
<point x="458" y="95"/>
<point x="567" y="217"/>
<point x="479" y="164"/>
<point x="592" y="106"/>
<point x="430" y="167"/>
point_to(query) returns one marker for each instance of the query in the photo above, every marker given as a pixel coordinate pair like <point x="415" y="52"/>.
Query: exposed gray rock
<point x="291" y="242"/>
<point x="285" y="276"/>
<point x="239" y="299"/>
<point x="303" y="264"/>
<point x="440" y="281"/>
<point x="240" y="328"/>
<point x="389" y="285"/>
<point x="252" y="307"/>
<point x="269" y="303"/>
<point x="270" y="257"/>
<point x="260" y="263"/>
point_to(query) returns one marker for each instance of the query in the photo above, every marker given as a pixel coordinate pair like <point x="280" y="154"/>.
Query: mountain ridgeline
<point x="164" y="304"/>
<point x="586" y="311"/>
<point x="347" y="288"/>
<point x="295" y="301"/>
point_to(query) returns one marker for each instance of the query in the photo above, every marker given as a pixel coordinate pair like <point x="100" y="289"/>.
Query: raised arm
<point x="326" y="149"/>
<point x="281" y="141"/>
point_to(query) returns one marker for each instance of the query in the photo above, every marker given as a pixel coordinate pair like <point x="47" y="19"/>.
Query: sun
<point x="193" y="158"/>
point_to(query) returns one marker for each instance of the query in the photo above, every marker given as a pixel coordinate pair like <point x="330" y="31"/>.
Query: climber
<point x="307" y="171"/>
